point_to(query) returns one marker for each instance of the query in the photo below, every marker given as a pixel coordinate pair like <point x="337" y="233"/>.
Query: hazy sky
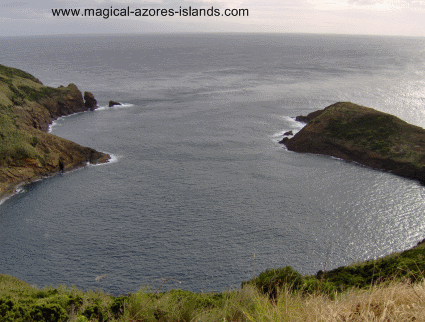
<point x="373" y="17"/>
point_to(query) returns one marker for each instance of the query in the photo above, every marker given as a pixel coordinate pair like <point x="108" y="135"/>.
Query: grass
<point x="371" y="131"/>
<point x="17" y="89"/>
<point x="11" y="72"/>
<point x="14" y="143"/>
<point x="387" y="289"/>
<point x="395" y="301"/>
<point x="27" y="152"/>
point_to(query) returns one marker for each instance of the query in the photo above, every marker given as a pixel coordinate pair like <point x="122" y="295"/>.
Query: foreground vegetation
<point x="388" y="289"/>
<point x="396" y="301"/>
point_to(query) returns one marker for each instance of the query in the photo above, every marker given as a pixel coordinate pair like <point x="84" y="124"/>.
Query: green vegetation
<point x="357" y="133"/>
<point x="370" y="131"/>
<point x="10" y="72"/>
<point x="27" y="152"/>
<point x="17" y="90"/>
<point x="408" y="265"/>
<point x="15" y="144"/>
<point x="386" y="289"/>
<point x="33" y="94"/>
<point x="272" y="281"/>
<point x="18" y="87"/>
<point x="21" y="302"/>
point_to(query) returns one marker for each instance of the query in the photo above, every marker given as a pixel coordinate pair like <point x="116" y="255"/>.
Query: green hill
<point x="364" y="135"/>
<point x="27" y="151"/>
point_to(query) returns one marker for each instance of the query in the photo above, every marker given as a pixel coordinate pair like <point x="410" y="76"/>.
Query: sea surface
<point x="199" y="192"/>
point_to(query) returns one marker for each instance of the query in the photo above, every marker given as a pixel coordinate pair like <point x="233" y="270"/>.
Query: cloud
<point x="12" y="4"/>
<point x="375" y="5"/>
<point x="316" y="16"/>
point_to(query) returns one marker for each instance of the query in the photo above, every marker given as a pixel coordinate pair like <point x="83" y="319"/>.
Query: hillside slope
<point x="27" y="107"/>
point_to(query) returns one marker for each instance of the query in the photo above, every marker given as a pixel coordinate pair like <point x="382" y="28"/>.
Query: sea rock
<point x="113" y="103"/>
<point x="288" y="133"/>
<point x="284" y="140"/>
<point x="301" y="118"/>
<point x="89" y="101"/>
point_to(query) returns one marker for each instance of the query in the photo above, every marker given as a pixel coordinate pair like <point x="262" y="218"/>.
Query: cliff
<point x="27" y="107"/>
<point x="364" y="135"/>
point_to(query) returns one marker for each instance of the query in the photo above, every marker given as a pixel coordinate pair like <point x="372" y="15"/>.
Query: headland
<point x="27" y="151"/>
<point x="364" y="135"/>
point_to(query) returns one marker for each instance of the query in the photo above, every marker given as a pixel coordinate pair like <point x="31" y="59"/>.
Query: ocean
<point x="199" y="193"/>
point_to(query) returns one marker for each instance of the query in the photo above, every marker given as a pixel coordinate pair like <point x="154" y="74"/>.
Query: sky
<point x="364" y="17"/>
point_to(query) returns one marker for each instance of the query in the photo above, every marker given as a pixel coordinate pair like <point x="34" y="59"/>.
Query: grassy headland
<point x="27" y="151"/>
<point x="364" y="135"/>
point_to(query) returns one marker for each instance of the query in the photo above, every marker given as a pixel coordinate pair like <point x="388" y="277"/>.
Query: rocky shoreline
<point x="363" y="135"/>
<point x="27" y="108"/>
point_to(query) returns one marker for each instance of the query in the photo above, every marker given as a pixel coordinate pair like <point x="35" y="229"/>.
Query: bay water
<point x="198" y="189"/>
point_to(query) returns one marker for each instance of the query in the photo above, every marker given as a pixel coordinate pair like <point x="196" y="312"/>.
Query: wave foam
<point x="114" y="158"/>
<point x="18" y="190"/>
<point x="123" y="105"/>
<point x="290" y="125"/>
<point x="100" y="108"/>
<point x="293" y="123"/>
<point x="53" y="124"/>
<point x="58" y="120"/>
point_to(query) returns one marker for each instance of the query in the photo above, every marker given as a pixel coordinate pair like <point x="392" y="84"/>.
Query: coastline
<point x="18" y="188"/>
<point x="30" y="153"/>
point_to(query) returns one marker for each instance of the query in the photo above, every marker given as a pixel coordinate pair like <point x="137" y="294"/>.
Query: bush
<point x="117" y="305"/>
<point x="49" y="312"/>
<point x="94" y="311"/>
<point x="313" y="285"/>
<point x="12" y="312"/>
<point x="272" y="279"/>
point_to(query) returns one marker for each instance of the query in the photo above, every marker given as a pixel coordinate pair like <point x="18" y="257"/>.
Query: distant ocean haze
<point x="199" y="189"/>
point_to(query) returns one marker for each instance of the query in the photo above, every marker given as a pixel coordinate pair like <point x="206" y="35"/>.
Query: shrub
<point x="49" y="312"/>
<point x="117" y="305"/>
<point x="272" y="279"/>
<point x="94" y="311"/>
<point x="10" y="311"/>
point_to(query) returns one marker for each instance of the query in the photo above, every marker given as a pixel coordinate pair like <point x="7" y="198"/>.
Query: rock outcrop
<point x="309" y="117"/>
<point x="89" y="101"/>
<point x="366" y="136"/>
<point x="113" y="103"/>
<point x="27" y="151"/>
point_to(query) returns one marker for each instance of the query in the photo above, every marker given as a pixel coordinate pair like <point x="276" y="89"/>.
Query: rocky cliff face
<point x="364" y="135"/>
<point x="27" y="107"/>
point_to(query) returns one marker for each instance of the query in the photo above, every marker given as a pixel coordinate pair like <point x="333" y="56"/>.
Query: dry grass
<point x="398" y="301"/>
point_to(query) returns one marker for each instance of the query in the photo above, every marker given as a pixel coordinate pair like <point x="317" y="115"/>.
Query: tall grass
<point x="394" y="301"/>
